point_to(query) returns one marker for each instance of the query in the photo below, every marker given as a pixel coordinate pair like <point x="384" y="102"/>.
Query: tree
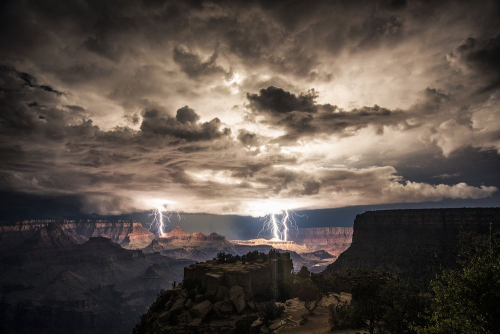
<point x="341" y="315"/>
<point x="304" y="273"/>
<point x="467" y="299"/>
<point x="404" y="307"/>
<point x="309" y="293"/>
<point x="366" y="301"/>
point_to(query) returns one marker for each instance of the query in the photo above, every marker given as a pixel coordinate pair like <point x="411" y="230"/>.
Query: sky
<point x="248" y="107"/>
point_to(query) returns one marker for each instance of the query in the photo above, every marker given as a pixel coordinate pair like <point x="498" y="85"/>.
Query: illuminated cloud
<point x="240" y="108"/>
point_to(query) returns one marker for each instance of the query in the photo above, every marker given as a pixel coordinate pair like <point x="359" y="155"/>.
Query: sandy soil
<point x="317" y="323"/>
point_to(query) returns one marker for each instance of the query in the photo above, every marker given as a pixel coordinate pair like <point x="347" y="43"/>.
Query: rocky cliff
<point x="413" y="243"/>
<point x="334" y="240"/>
<point x="129" y="234"/>
<point x="217" y="297"/>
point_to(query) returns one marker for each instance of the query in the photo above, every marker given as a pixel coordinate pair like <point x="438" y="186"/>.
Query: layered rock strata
<point x="334" y="240"/>
<point x="129" y="234"/>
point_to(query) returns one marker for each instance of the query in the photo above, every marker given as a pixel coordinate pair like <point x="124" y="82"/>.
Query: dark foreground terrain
<point x="52" y="284"/>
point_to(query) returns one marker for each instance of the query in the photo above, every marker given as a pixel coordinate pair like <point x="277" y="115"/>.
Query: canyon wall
<point x="413" y="243"/>
<point x="129" y="234"/>
<point x="334" y="240"/>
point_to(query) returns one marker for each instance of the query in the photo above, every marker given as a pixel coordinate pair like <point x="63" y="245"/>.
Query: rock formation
<point x="412" y="243"/>
<point x="334" y="240"/>
<point x="256" y="279"/>
<point x="223" y="298"/>
<point x="180" y="244"/>
<point x="129" y="234"/>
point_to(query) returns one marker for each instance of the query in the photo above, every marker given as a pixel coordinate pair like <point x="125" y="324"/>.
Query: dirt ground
<point x="317" y="323"/>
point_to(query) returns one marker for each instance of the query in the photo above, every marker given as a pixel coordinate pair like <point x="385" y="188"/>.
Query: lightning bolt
<point x="279" y="224"/>
<point x="160" y="216"/>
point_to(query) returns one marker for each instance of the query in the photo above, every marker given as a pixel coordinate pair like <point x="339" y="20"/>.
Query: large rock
<point x="237" y="297"/>
<point x="165" y="317"/>
<point x="201" y="310"/>
<point x="178" y="305"/>
<point x="198" y="299"/>
<point x="256" y="326"/>
<point x="224" y="307"/>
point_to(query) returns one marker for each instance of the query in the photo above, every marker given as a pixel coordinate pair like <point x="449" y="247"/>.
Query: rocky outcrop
<point x="223" y="298"/>
<point x="255" y="279"/>
<point x="413" y="243"/>
<point x="129" y="234"/>
<point x="334" y="240"/>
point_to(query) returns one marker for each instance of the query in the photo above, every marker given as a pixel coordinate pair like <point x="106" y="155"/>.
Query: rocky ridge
<point x="129" y="234"/>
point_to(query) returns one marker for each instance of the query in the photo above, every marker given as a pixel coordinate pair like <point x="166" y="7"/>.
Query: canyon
<point x="333" y="240"/>
<point x="129" y="234"/>
<point x="98" y="276"/>
<point x="51" y="283"/>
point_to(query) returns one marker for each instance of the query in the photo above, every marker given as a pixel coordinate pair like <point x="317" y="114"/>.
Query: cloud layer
<point x="247" y="108"/>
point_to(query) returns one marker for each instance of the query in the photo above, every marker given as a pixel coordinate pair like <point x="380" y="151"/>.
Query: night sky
<point x="247" y="107"/>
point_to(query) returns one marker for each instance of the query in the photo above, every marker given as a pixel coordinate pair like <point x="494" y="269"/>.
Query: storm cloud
<point x="244" y="107"/>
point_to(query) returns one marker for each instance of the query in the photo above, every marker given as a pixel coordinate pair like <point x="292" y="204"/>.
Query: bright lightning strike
<point x="279" y="224"/>
<point x="160" y="216"/>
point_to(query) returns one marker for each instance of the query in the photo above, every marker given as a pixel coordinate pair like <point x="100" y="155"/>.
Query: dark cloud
<point x="301" y="116"/>
<point x="134" y="119"/>
<point x="192" y="64"/>
<point x="481" y="56"/>
<point x="29" y="80"/>
<point x="276" y="100"/>
<point x="311" y="188"/>
<point x="399" y="114"/>
<point x="186" y="114"/>
<point x="183" y="126"/>
<point x="248" y="138"/>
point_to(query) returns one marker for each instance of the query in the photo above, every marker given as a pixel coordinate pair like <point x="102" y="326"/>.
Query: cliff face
<point x="128" y="234"/>
<point x="412" y="243"/>
<point x="334" y="240"/>
<point x="180" y="244"/>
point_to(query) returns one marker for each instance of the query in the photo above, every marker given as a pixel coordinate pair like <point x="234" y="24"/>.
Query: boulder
<point x="237" y="297"/>
<point x="164" y="317"/>
<point x="198" y="299"/>
<point x="252" y="306"/>
<point x="196" y="323"/>
<point x="255" y="326"/>
<point x="178" y="305"/>
<point x="201" y="310"/>
<point x="189" y="304"/>
<point x="222" y="293"/>
<point x="224" y="307"/>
